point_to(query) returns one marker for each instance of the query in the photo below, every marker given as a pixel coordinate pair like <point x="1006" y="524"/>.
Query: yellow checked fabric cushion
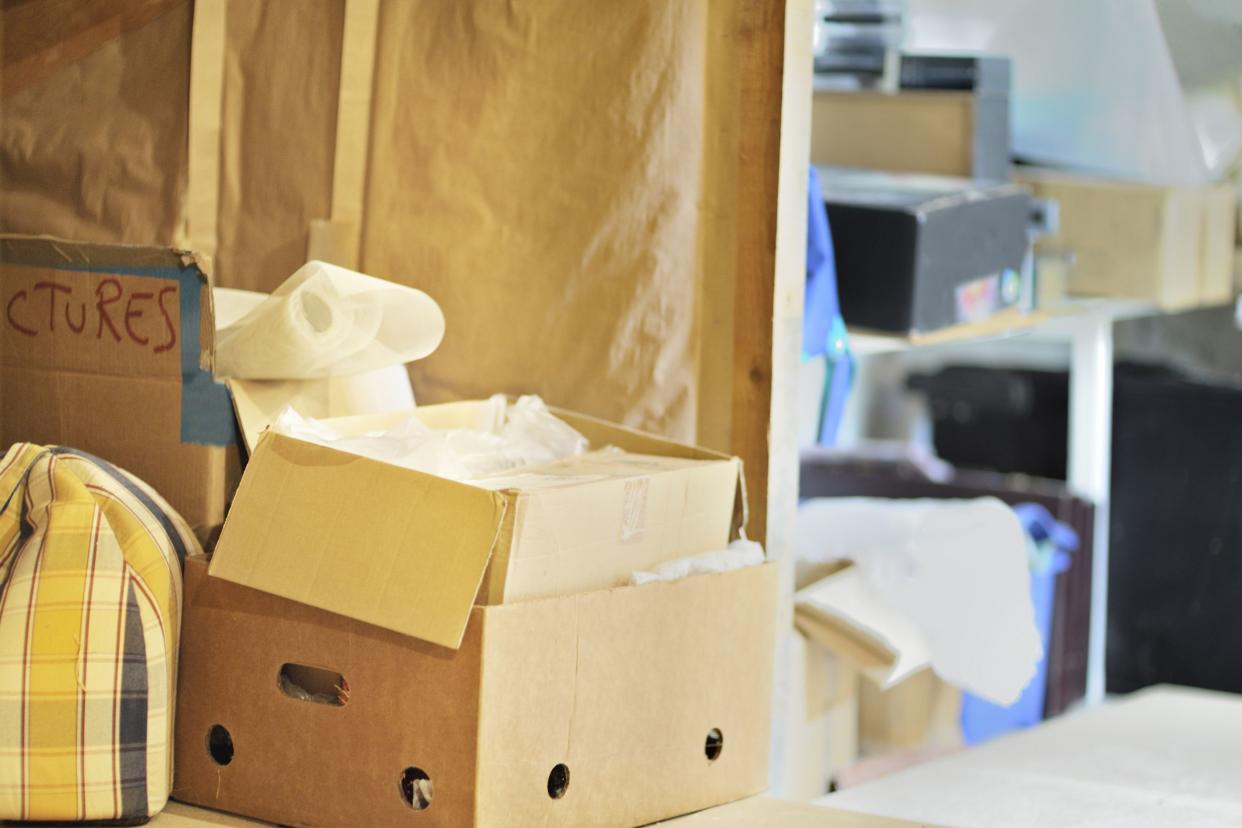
<point x="90" y="610"/>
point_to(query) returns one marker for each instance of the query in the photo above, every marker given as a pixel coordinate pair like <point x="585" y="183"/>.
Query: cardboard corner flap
<point x="375" y="542"/>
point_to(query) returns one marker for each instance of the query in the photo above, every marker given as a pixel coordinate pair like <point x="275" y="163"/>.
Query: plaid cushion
<point x="90" y="607"/>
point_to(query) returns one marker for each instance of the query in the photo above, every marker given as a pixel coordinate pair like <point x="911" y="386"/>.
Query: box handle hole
<point x="714" y="744"/>
<point x="220" y="744"/>
<point x="558" y="781"/>
<point x="416" y="788"/>
<point x="313" y="684"/>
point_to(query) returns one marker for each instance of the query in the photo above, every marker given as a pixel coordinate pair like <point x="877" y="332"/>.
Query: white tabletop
<point x="1160" y="757"/>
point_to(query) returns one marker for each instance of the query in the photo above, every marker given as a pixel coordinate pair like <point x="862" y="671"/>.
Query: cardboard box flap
<point x="382" y="544"/>
<point x="257" y="403"/>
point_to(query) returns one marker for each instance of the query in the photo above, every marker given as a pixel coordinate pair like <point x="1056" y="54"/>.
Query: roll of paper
<point x="328" y="321"/>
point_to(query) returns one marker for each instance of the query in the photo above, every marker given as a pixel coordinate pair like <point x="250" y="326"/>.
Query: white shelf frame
<point x="1090" y="469"/>
<point x="1087" y="327"/>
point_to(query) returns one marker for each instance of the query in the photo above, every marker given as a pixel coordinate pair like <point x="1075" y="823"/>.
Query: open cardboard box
<point x="561" y="698"/>
<point x="410" y="551"/>
<point x="620" y="707"/>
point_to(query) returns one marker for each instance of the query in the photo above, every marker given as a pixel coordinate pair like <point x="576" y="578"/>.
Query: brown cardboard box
<point x="108" y="348"/>
<point x="937" y="132"/>
<point x="1169" y="245"/>
<point x="600" y="708"/>
<point x="407" y="551"/>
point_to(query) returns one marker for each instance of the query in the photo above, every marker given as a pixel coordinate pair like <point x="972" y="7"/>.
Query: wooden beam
<point x="761" y="37"/>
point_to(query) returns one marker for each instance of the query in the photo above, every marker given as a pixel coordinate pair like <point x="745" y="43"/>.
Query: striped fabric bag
<point x="90" y="610"/>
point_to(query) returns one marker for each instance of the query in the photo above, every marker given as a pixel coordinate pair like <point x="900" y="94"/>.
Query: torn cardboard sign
<point x="109" y="349"/>
<point x="409" y="551"/>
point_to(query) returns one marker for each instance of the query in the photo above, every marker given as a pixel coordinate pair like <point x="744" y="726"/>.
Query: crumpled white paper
<point x="956" y="570"/>
<point x="524" y="433"/>
<point x="327" y="321"/>
<point x="741" y="553"/>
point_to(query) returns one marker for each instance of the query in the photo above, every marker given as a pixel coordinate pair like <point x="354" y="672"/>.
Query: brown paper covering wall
<point x="93" y="114"/>
<point x="536" y="168"/>
<point x="560" y="176"/>
<point x="282" y="65"/>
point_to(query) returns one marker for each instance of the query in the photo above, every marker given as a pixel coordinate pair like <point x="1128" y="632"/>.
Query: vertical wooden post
<point x="760" y="61"/>
<point x="774" y="76"/>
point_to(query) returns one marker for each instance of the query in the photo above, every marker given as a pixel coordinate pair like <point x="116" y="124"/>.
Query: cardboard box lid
<point x="116" y="310"/>
<point x="386" y="545"/>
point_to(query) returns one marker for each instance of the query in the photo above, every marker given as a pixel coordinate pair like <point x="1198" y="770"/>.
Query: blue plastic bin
<point x="983" y="720"/>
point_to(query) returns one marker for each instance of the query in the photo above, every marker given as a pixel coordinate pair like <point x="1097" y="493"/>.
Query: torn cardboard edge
<point x="206" y="417"/>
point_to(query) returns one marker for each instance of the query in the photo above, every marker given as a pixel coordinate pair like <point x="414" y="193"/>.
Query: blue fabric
<point x="1042" y="526"/>
<point x="823" y="329"/>
<point x="983" y="720"/>
<point x="822" y="307"/>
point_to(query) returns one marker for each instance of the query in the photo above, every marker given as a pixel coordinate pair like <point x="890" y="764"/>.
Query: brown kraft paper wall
<point x="556" y="174"/>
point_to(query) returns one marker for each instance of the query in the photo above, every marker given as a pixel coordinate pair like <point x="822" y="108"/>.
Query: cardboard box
<point x="924" y="711"/>
<point x="408" y="551"/>
<point x="108" y="348"/>
<point x="1172" y="246"/>
<point x="867" y="646"/>
<point x="827" y="711"/>
<point x="600" y="708"/>
<point x="917" y="253"/>
<point x="962" y="134"/>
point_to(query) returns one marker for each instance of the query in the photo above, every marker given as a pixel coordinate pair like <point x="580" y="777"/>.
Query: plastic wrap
<point x="526" y="434"/>
<point x="741" y="553"/>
